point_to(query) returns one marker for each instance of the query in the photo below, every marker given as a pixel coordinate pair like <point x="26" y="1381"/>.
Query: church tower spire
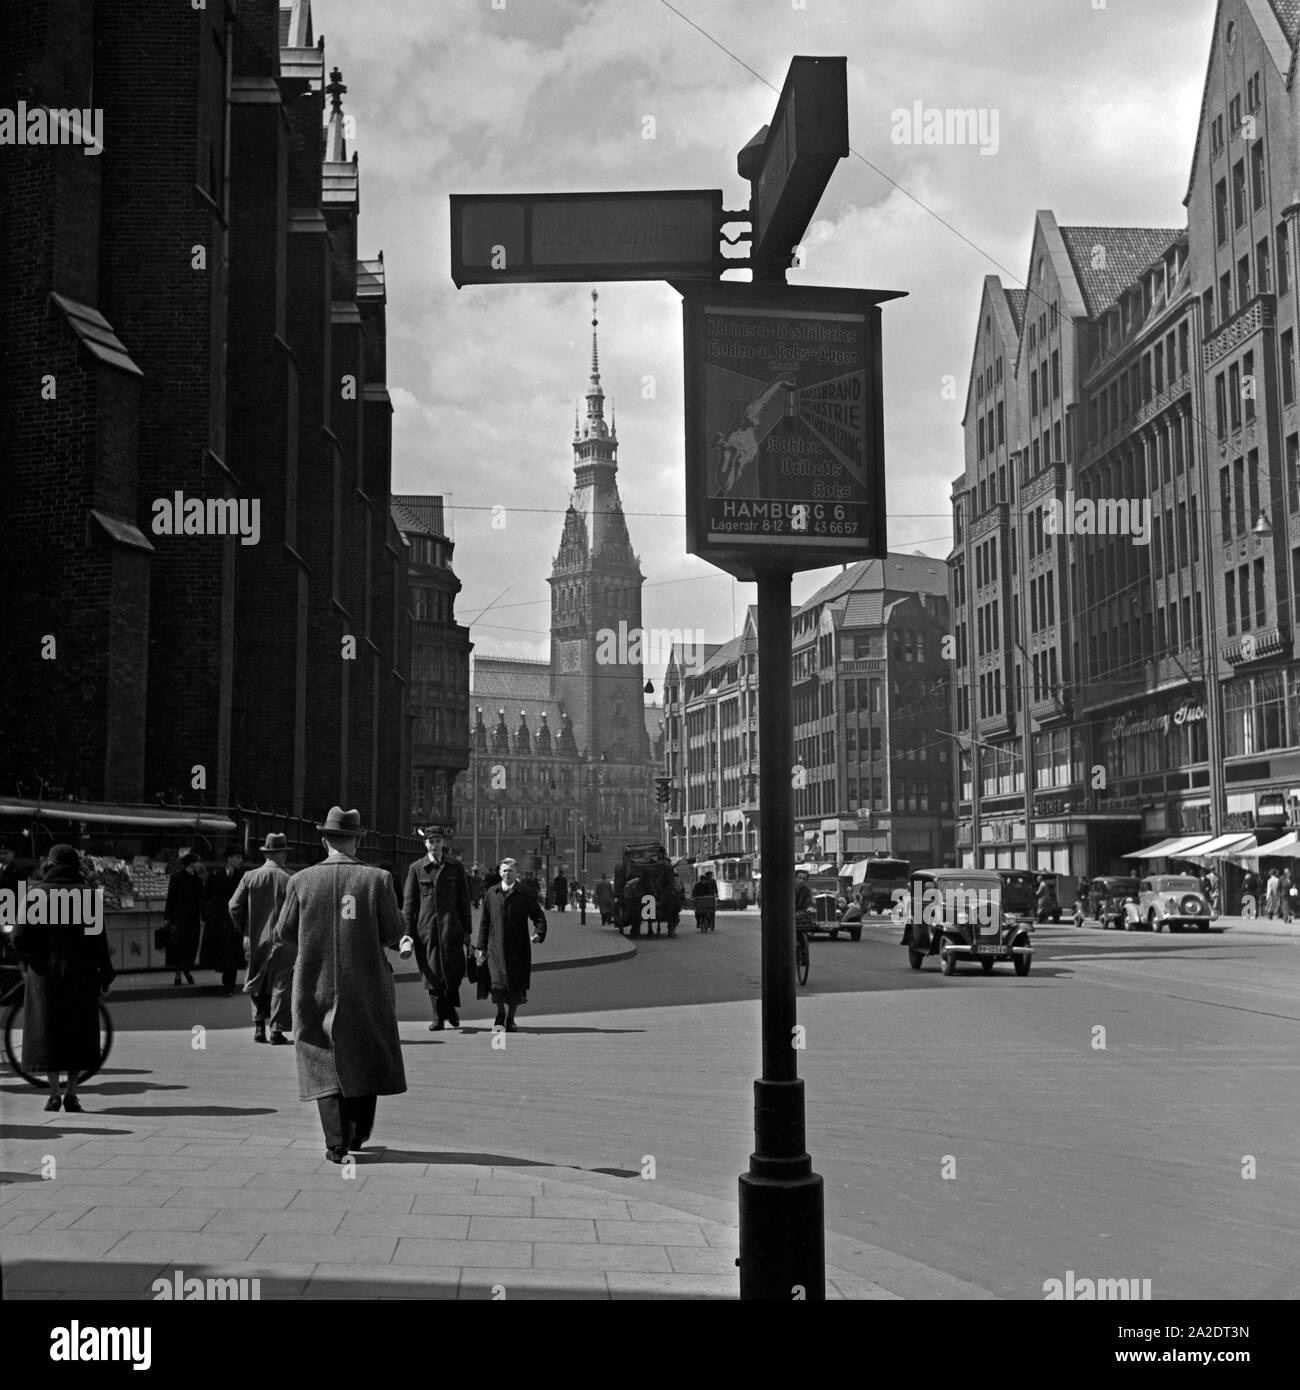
<point x="596" y="590"/>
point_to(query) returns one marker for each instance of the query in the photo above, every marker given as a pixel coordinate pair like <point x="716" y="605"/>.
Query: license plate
<point x="987" y="950"/>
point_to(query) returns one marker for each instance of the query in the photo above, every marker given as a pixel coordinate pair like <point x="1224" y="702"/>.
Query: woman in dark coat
<point x="503" y="945"/>
<point x="183" y="916"/>
<point x="67" y="970"/>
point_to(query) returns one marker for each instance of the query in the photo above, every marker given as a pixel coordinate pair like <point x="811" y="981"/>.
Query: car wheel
<point x="947" y="961"/>
<point x="914" y="959"/>
<point x="986" y="966"/>
<point x="1022" y="965"/>
<point x="855" y="933"/>
<point x="1202" y="926"/>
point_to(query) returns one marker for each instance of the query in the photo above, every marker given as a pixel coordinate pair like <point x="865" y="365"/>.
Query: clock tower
<point x="596" y="636"/>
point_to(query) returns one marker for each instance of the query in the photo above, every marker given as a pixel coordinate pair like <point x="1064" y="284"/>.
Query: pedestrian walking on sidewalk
<point x="605" y="900"/>
<point x="1271" y="893"/>
<point x="220" y="948"/>
<point x="1286" y="896"/>
<point x="340" y="915"/>
<point x="560" y="892"/>
<point x="504" y="944"/>
<point x="254" y="909"/>
<point x="436" y="906"/>
<point x="183" y="917"/>
<point x="67" y="969"/>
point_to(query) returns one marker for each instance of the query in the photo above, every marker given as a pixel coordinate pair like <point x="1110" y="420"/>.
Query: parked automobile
<point x="1106" y="896"/>
<point x="957" y="914"/>
<point x="1173" y="901"/>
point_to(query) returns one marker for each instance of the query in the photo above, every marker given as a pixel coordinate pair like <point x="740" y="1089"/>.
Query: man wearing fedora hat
<point x="436" y="906"/>
<point x="340" y="915"/>
<point x="254" y="909"/>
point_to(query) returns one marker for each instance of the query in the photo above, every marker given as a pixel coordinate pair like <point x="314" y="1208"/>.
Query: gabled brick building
<point x="187" y="314"/>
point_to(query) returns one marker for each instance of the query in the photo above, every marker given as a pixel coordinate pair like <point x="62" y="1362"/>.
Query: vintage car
<point x="1106" y="898"/>
<point x="956" y="914"/>
<point x="832" y="914"/>
<point x="1173" y="901"/>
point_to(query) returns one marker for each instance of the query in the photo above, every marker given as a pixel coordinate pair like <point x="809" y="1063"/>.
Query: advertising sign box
<point x="512" y="238"/>
<point x="784" y="428"/>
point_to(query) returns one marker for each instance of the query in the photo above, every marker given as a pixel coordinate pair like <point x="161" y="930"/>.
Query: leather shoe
<point x="259" y="1032"/>
<point x="512" y="1026"/>
<point x="72" y="1104"/>
<point x="279" y="1040"/>
<point x="454" y="1019"/>
<point x="53" y="1103"/>
<point x="437" y="1026"/>
<point x="336" y="1155"/>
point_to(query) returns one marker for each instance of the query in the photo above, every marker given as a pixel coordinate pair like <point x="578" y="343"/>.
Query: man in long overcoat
<point x="340" y="915"/>
<point x="560" y="892"/>
<point x="67" y="970"/>
<point x="221" y="947"/>
<point x="254" y="909"/>
<point x="503" y="944"/>
<point x="436" y="906"/>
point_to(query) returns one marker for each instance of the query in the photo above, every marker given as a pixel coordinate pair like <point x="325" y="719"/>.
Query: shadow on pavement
<point x="149" y="1281"/>
<point x="148" y="1111"/>
<point x="529" y="1028"/>
<point x="482" y="1160"/>
<point x="56" y="1131"/>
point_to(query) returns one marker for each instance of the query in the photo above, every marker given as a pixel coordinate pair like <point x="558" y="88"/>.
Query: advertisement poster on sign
<point x="784" y="430"/>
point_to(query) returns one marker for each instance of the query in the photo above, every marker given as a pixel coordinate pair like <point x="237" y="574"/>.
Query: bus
<point x="734" y="875"/>
<point x="881" y="876"/>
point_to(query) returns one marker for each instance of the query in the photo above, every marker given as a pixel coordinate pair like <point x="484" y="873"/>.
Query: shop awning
<point x="1176" y="848"/>
<point x="1288" y="847"/>
<point x="99" y="813"/>
<point x="1224" y="845"/>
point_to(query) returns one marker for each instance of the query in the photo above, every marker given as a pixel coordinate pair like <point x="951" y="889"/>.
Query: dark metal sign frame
<point x="809" y="348"/>
<point x="545" y="237"/>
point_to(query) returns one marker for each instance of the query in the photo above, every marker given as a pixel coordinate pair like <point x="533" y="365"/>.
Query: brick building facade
<point x="188" y="315"/>
<point x="1129" y="679"/>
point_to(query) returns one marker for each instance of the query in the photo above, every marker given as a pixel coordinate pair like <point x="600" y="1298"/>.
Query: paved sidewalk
<point x="127" y="1208"/>
<point x="568" y="944"/>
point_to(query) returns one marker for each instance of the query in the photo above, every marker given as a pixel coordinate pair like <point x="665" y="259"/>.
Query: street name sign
<point x="808" y="136"/>
<point x="784" y="427"/>
<point x="514" y="238"/>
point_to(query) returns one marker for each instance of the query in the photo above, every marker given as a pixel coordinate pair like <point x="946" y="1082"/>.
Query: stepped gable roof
<point x="1129" y="252"/>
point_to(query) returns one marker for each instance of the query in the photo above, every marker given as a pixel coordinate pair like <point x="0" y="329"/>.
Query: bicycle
<point x="12" y="1003"/>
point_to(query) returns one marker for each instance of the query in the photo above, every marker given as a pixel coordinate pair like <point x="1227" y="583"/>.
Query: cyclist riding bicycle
<point x="705" y="893"/>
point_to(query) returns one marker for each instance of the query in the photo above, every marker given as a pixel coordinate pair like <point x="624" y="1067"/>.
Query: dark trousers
<point x="347" y="1120"/>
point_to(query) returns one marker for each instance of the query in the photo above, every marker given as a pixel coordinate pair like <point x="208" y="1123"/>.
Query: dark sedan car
<point x="1106" y="898"/>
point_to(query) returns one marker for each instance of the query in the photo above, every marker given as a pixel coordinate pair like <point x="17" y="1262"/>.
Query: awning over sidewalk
<point x="1179" y="847"/>
<point x="1288" y="847"/>
<point x="1225" y="845"/>
<point x="97" y="813"/>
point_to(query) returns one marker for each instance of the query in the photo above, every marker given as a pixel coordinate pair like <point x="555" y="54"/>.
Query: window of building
<point x="1243" y="593"/>
<point x="1257" y="174"/>
<point x="1293" y="475"/>
<point x="1184" y="337"/>
<point x="1221" y="211"/>
<point x="1216" y="135"/>
<point x="1225" y="295"/>
<point x="1283" y="260"/>
<point x="1262" y="276"/>
<point x="1234" y="396"/>
<point x="1286" y="351"/>
<point x="1234" y="115"/>
<point x="1252" y="92"/>
<point x="1248" y="386"/>
<point x="1033" y="393"/>
<point x="1243" y="281"/>
<point x="1056" y="375"/>
<point x="1207" y="313"/>
<point x="1239" y="191"/>
<point x="1221" y="405"/>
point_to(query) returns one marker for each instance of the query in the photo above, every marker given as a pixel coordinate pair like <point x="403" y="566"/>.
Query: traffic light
<point x="663" y="790"/>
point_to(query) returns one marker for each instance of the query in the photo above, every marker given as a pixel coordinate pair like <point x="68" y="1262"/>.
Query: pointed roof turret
<point x="335" y="145"/>
<point x="596" y="427"/>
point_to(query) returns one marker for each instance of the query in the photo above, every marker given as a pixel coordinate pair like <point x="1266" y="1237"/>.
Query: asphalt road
<point x="1123" y="1160"/>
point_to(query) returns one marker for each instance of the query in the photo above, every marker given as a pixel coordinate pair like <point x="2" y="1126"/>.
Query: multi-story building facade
<point x="870" y="688"/>
<point x="438" y="699"/>
<point x="204" y="587"/>
<point x="1126" y="539"/>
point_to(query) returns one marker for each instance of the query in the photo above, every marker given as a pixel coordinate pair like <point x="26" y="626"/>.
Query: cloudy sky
<point x="1096" y="103"/>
